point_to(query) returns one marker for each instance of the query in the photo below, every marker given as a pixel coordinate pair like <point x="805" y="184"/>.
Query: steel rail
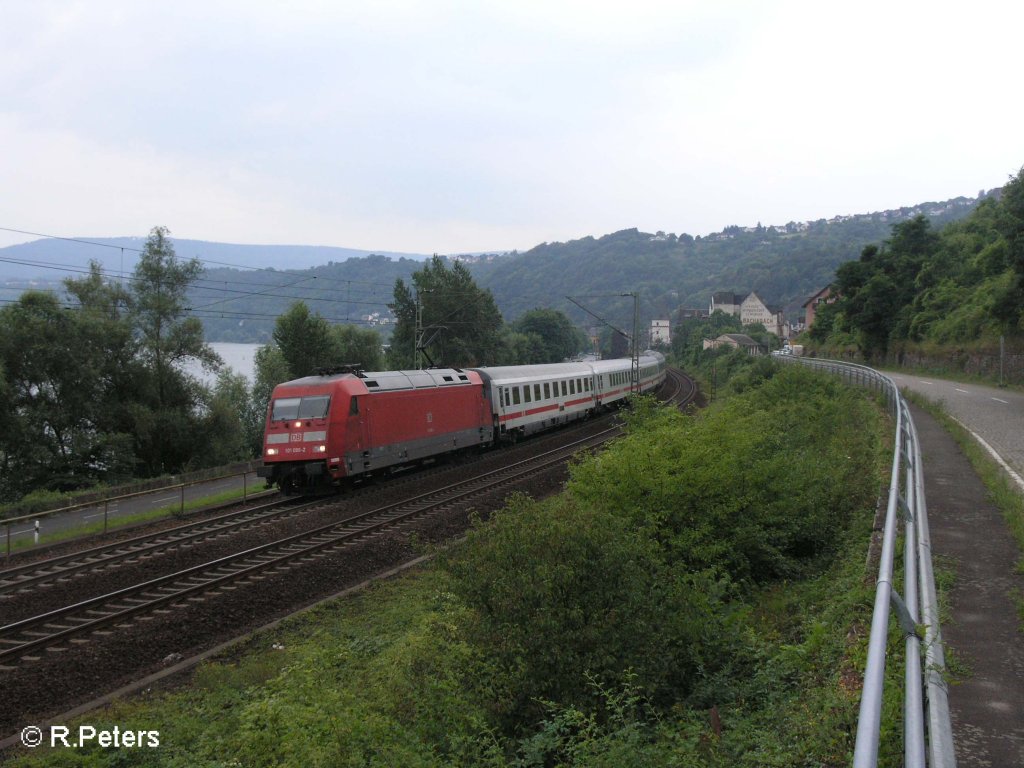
<point x="927" y="727"/>
<point x="49" y="629"/>
<point x="62" y="567"/>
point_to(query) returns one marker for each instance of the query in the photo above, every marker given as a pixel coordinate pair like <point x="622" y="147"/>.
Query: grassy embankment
<point x="696" y="597"/>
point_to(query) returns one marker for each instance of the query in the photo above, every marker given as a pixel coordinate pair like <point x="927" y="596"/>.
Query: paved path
<point x="985" y="634"/>
<point x="996" y="415"/>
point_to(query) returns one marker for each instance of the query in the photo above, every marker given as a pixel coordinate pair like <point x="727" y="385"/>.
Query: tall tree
<point x="166" y="424"/>
<point x="461" y="322"/>
<point x="233" y="425"/>
<point x="560" y="339"/>
<point x="358" y="345"/>
<point x="305" y="340"/>
<point x="55" y="435"/>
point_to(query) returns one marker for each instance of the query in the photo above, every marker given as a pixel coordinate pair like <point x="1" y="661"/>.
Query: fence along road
<point x="927" y="730"/>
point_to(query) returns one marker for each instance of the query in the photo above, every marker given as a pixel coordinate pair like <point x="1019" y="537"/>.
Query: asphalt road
<point x="129" y="506"/>
<point x="993" y="414"/>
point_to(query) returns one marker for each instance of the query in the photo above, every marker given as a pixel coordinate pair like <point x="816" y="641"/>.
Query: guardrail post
<point x="913" y="703"/>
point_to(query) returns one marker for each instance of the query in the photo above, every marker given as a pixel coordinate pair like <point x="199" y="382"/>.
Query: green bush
<point x="558" y="591"/>
<point x="758" y="489"/>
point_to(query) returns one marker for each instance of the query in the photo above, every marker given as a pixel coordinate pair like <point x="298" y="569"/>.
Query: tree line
<point x="93" y="389"/>
<point x="960" y="284"/>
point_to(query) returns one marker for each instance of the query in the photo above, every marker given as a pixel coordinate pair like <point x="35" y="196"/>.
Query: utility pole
<point x="418" y="334"/>
<point x="634" y="378"/>
<point x="420" y="331"/>
<point x="1002" y="358"/>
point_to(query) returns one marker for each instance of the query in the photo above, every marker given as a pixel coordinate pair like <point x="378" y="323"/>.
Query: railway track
<point x="683" y="389"/>
<point x="61" y="568"/>
<point x="57" y="630"/>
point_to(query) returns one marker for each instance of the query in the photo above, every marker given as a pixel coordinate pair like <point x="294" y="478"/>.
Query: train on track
<point x="325" y="430"/>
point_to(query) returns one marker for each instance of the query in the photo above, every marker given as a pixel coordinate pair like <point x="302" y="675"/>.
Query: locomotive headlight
<point x="271" y="451"/>
<point x="321" y="449"/>
<point x="298" y="424"/>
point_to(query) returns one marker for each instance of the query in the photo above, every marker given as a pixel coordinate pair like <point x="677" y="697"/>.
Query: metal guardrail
<point x="106" y="501"/>
<point x="927" y="729"/>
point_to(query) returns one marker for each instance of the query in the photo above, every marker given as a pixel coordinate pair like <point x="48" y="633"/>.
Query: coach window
<point x="547" y="391"/>
<point x="572" y="386"/>
<point x="564" y="391"/>
<point x="515" y="395"/>
<point x="586" y="384"/>
<point x="526" y="394"/>
<point x="536" y="392"/>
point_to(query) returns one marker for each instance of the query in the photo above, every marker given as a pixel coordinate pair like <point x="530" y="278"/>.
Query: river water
<point x="240" y="358"/>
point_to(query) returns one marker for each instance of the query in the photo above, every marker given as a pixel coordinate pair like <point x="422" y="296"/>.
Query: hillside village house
<point x="750" y="310"/>
<point x="812" y="305"/>
<point x="660" y="333"/>
<point x="738" y="340"/>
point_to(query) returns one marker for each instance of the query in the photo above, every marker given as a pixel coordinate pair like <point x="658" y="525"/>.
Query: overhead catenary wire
<point x="216" y="313"/>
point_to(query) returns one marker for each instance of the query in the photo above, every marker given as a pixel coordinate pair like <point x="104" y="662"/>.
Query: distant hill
<point x="52" y="259"/>
<point x="782" y="263"/>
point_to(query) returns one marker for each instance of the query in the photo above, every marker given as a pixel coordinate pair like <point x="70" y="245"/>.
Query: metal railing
<point x="106" y="501"/>
<point x="927" y="729"/>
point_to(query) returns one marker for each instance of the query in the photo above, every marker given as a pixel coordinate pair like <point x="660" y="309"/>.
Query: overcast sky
<point x="465" y="126"/>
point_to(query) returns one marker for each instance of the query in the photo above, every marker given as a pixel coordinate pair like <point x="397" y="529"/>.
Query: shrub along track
<point x="127" y="646"/>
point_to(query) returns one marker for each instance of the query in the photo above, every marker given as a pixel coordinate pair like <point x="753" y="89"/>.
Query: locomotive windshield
<point x="313" y="407"/>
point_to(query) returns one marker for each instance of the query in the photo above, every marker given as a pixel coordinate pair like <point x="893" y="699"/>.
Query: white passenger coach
<point x="530" y="398"/>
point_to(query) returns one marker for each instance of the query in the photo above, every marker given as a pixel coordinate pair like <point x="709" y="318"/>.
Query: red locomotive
<point x="347" y="423"/>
